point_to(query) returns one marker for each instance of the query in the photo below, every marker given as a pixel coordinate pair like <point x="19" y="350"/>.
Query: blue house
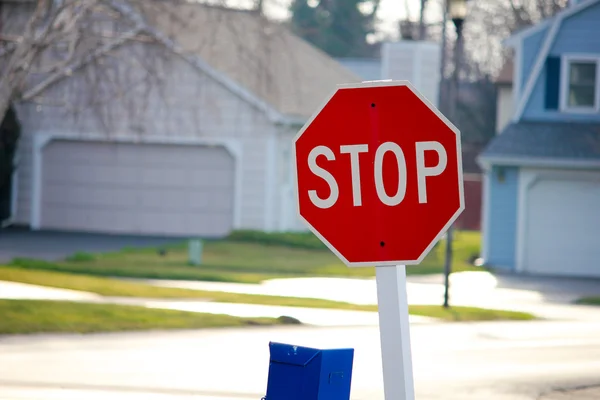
<point x="541" y="200"/>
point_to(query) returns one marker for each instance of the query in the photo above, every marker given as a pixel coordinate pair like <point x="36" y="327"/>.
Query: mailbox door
<point x="336" y="374"/>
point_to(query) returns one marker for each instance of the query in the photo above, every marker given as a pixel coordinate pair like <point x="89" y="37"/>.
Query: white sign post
<point x="394" y="331"/>
<point x="352" y="200"/>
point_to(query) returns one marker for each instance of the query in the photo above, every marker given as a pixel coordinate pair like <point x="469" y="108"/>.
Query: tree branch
<point x="68" y="70"/>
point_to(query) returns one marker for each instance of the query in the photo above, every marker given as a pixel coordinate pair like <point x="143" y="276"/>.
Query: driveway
<point x="51" y="246"/>
<point x="551" y="289"/>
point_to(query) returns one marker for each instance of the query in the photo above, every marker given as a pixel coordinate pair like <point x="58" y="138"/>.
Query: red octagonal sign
<point x="379" y="174"/>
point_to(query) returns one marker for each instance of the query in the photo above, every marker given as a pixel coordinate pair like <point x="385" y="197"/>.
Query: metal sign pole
<point x="394" y="331"/>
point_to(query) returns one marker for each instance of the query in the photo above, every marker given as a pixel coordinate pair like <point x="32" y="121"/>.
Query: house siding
<point x="504" y="107"/>
<point x="287" y="212"/>
<point x="531" y="49"/>
<point x="187" y="103"/>
<point x="502" y="224"/>
<point x="578" y="34"/>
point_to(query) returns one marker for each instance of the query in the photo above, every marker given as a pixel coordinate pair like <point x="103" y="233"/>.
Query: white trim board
<point x="565" y="68"/>
<point x="526" y="180"/>
<point x="485" y="216"/>
<point x="14" y="199"/>
<point x="517" y="76"/>
<point x="386" y="83"/>
<point x="40" y="140"/>
<point x="270" y="181"/>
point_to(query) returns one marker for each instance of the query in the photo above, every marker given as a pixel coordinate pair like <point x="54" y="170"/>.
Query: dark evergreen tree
<point x="9" y="134"/>
<point x="338" y="27"/>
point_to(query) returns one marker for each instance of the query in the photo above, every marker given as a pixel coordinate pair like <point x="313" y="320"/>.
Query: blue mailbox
<point x="302" y="373"/>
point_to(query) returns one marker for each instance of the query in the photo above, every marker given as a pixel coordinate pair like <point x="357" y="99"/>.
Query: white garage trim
<point x="526" y="181"/>
<point x="13" y="199"/>
<point x="270" y="182"/>
<point x="485" y="216"/>
<point x="40" y="140"/>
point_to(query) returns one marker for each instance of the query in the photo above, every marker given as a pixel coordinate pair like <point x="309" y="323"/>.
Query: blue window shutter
<point x="552" y="83"/>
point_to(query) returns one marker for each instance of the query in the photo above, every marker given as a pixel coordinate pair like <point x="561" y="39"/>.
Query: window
<point x="581" y="84"/>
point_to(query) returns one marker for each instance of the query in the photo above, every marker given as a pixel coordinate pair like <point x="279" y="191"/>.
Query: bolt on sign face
<point x="379" y="174"/>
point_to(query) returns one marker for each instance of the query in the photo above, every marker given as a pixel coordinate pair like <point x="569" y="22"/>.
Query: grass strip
<point x="117" y="288"/>
<point x="40" y="316"/>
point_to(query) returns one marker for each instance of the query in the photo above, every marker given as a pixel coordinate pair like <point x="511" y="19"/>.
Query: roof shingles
<point x="549" y="140"/>
<point x="262" y="56"/>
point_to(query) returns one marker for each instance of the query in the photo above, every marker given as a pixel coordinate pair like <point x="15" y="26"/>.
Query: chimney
<point x="415" y="61"/>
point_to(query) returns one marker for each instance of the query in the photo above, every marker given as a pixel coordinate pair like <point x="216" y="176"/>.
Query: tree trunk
<point x="422" y="28"/>
<point x="16" y="73"/>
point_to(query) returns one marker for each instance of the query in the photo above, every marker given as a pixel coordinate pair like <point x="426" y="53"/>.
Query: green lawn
<point x="112" y="287"/>
<point x="247" y="258"/>
<point x="468" y="313"/>
<point x="592" y="301"/>
<point x="37" y="316"/>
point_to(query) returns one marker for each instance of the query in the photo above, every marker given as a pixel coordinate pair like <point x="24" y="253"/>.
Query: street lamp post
<point x="457" y="9"/>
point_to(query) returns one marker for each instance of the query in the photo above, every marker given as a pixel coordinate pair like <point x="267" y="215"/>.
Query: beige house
<point x="204" y="151"/>
<point x="505" y="101"/>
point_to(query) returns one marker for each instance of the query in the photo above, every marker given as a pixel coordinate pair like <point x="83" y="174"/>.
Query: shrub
<point x="81" y="257"/>
<point x="302" y="240"/>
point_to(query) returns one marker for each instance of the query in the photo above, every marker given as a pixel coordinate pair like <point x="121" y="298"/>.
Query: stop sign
<point x="379" y="174"/>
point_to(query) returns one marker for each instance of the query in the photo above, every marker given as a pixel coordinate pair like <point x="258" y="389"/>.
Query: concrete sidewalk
<point x="309" y="316"/>
<point x="592" y="393"/>
<point x="471" y="289"/>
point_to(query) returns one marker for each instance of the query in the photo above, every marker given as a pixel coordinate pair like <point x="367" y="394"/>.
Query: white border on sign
<point x="449" y="124"/>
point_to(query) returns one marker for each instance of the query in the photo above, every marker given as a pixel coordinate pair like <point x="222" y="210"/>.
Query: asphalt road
<point x="492" y="361"/>
<point x="49" y="245"/>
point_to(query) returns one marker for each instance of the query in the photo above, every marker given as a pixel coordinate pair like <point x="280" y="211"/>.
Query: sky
<point x="389" y="13"/>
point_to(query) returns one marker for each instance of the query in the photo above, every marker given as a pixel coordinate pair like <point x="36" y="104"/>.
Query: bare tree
<point x="422" y="26"/>
<point x="105" y="64"/>
<point x="489" y="22"/>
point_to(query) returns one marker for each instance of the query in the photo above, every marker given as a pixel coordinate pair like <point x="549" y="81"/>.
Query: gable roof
<point x="518" y="36"/>
<point x="259" y="60"/>
<point x="262" y="56"/>
<point x="546" y="144"/>
<point x="554" y="25"/>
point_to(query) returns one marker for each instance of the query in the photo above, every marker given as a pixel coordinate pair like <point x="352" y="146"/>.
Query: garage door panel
<point x="217" y="178"/>
<point x="70" y="152"/>
<point x="56" y="217"/>
<point x="162" y="178"/>
<point x="89" y="174"/>
<point x="215" y="221"/>
<point x="166" y="223"/>
<point x="78" y="219"/>
<point x="67" y="196"/>
<point x="139" y="189"/>
<point x="563" y="228"/>
<point x="207" y="201"/>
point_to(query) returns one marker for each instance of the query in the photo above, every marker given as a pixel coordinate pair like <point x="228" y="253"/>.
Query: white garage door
<point x="563" y="228"/>
<point x="150" y="189"/>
